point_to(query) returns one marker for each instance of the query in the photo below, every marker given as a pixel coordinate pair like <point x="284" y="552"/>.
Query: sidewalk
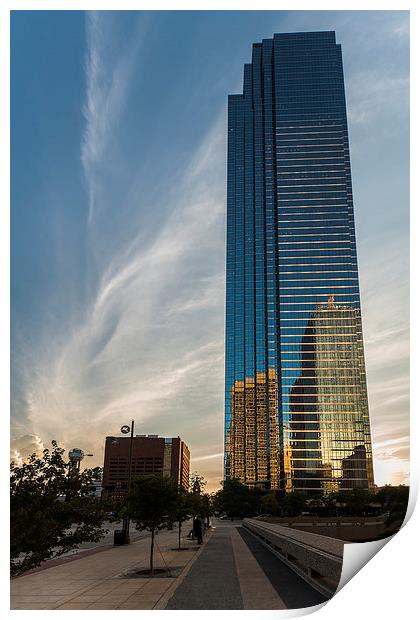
<point x="231" y="570"/>
<point x="235" y="571"/>
<point x="98" y="582"/>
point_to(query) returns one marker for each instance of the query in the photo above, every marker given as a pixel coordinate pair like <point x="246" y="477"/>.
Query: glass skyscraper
<point x="296" y="402"/>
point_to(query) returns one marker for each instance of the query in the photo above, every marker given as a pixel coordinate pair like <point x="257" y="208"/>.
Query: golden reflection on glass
<point x="253" y="453"/>
<point x="329" y="425"/>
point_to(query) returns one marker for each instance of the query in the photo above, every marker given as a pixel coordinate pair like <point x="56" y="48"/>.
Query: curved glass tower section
<point x="296" y="408"/>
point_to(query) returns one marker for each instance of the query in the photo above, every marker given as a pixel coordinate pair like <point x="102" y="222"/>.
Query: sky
<point x="118" y="206"/>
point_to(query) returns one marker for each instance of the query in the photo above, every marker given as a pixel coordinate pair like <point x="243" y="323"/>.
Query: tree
<point x="43" y="526"/>
<point x="269" y="503"/>
<point x="151" y="505"/>
<point x="395" y="500"/>
<point x="358" y="500"/>
<point x="182" y="511"/>
<point x="393" y="495"/>
<point x="351" y="502"/>
<point x="206" y="507"/>
<point x="293" y="504"/>
<point x="236" y="499"/>
<point x="197" y="504"/>
<point x="197" y="483"/>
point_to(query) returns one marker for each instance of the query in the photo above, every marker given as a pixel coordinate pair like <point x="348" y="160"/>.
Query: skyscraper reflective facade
<point x="296" y="399"/>
<point x="253" y="427"/>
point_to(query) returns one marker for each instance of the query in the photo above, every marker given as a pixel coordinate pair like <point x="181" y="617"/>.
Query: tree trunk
<point x="152" y="551"/>
<point x="179" y="534"/>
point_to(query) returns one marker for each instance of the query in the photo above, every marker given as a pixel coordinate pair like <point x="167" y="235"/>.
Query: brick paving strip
<point x="97" y="581"/>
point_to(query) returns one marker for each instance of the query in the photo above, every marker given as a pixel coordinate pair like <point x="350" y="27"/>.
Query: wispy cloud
<point x="368" y="92"/>
<point x="150" y="345"/>
<point x="139" y="351"/>
<point x="217" y="455"/>
<point x="385" y="308"/>
<point x="108" y="73"/>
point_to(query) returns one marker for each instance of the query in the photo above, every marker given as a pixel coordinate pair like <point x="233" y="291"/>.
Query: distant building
<point x="152" y="455"/>
<point x="97" y="488"/>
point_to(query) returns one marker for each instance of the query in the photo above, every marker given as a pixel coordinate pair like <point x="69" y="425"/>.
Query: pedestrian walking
<point x="198" y="529"/>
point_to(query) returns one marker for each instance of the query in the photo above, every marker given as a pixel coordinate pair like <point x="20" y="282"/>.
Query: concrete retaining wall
<point x="345" y="528"/>
<point x="316" y="558"/>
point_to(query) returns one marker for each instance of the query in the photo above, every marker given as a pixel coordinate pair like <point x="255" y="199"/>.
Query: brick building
<point x="151" y="455"/>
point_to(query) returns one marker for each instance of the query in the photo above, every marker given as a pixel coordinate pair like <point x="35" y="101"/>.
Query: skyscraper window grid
<point x="293" y="303"/>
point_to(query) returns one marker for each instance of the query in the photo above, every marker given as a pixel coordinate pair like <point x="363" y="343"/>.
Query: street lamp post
<point x="126" y="520"/>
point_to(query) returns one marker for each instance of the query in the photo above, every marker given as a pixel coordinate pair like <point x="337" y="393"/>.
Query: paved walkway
<point x="212" y="582"/>
<point x="99" y="581"/>
<point x="231" y="570"/>
<point x="294" y="591"/>
<point x="235" y="571"/>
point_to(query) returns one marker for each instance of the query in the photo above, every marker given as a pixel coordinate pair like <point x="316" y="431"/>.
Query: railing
<point x="317" y="559"/>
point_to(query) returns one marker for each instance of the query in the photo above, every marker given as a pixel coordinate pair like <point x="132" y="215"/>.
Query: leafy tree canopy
<point x="53" y="509"/>
<point x="152" y="505"/>
<point x="269" y="504"/>
<point x="197" y="483"/>
<point x="206" y="508"/>
<point x="393" y="495"/>
<point x="237" y="499"/>
<point x="152" y="502"/>
<point x="293" y="503"/>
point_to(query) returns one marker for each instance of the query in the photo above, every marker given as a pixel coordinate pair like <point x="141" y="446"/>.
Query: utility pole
<point x="126" y="521"/>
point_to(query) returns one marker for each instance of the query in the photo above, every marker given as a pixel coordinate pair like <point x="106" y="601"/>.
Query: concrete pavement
<point x="212" y="582"/>
<point x="236" y="571"/>
<point x="99" y="581"/>
<point x="293" y="590"/>
<point x="231" y="570"/>
<point x="108" y="539"/>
